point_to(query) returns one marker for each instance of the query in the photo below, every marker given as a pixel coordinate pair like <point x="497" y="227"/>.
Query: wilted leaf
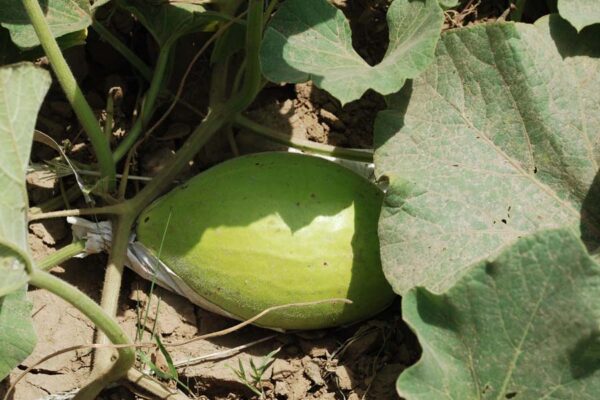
<point x="498" y="139"/>
<point x="580" y="13"/>
<point x="523" y="326"/>
<point x="63" y="17"/>
<point x="17" y="337"/>
<point x="311" y="39"/>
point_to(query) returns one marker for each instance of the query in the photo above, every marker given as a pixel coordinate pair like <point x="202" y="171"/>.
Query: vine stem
<point x="100" y="318"/>
<point x="113" y="209"/>
<point x="62" y="255"/>
<point x="112" y="284"/>
<point x="129" y="55"/>
<point x="517" y="13"/>
<point x="72" y="92"/>
<point x="364" y="155"/>
<point x="216" y="118"/>
<point x="147" y="105"/>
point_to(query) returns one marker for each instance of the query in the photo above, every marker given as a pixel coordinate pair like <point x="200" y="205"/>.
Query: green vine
<point x="73" y="93"/>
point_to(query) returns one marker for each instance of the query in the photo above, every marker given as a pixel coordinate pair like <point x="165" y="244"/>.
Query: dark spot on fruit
<point x="455" y="165"/>
<point x="257" y="164"/>
<point x="146" y="219"/>
<point x="510" y="395"/>
<point x="535" y="170"/>
<point x="503" y="221"/>
<point x="312" y="195"/>
<point x="325" y="263"/>
<point x="298" y="204"/>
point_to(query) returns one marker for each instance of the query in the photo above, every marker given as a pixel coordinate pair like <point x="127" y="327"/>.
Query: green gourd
<point x="275" y="228"/>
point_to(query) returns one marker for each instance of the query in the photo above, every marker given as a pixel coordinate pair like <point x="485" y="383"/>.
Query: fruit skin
<point x="275" y="228"/>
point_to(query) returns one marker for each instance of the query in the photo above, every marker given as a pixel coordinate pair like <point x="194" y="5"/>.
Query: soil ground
<point x="356" y="362"/>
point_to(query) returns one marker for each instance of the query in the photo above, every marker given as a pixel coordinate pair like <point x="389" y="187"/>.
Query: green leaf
<point x="498" y="139"/>
<point x="446" y="4"/>
<point x="22" y="89"/>
<point x="580" y="13"/>
<point x="311" y="39"/>
<point x="522" y="326"/>
<point x="63" y="16"/>
<point x="168" y="21"/>
<point x="17" y="336"/>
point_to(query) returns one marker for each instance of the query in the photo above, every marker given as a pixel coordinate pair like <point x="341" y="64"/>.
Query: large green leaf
<point x="311" y="39"/>
<point x="17" y="336"/>
<point x="168" y="21"/>
<point x="580" y="13"/>
<point x="22" y="89"/>
<point x="63" y="17"/>
<point x="523" y="326"/>
<point x="498" y="139"/>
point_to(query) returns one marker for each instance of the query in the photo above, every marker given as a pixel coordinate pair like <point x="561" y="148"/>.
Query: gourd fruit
<point x="274" y="228"/>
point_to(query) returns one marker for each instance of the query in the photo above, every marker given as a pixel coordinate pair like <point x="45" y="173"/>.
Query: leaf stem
<point x="62" y="255"/>
<point x="71" y="194"/>
<point x="517" y="13"/>
<point x="363" y="155"/>
<point x="120" y="208"/>
<point x="217" y="116"/>
<point x="119" y="46"/>
<point x="147" y="105"/>
<point x="72" y="91"/>
<point x="105" y="322"/>
<point x="112" y="282"/>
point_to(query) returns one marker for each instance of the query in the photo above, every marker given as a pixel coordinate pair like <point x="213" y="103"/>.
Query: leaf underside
<point x="17" y="336"/>
<point x="497" y="140"/>
<point x="22" y="89"/>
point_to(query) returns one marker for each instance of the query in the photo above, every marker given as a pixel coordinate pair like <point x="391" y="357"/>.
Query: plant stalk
<point x="517" y="13"/>
<point x="363" y="155"/>
<point x="147" y="105"/>
<point x="72" y="92"/>
<point x="101" y="319"/>
<point x="217" y="116"/>
<point x="112" y="281"/>
<point x="212" y="123"/>
<point x="62" y="255"/>
<point x="129" y="55"/>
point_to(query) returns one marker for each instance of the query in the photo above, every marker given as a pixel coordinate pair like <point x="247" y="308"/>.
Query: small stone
<point x="345" y="378"/>
<point x="50" y="231"/>
<point x="313" y="372"/>
<point x="282" y="369"/>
